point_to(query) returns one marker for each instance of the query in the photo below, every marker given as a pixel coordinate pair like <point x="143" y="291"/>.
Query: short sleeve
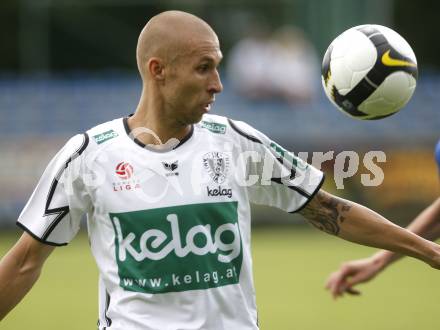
<point x="54" y="211"/>
<point x="282" y="179"/>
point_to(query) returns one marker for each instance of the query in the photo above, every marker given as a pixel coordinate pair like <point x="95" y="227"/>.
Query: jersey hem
<point x="311" y="196"/>
<point x="39" y="239"/>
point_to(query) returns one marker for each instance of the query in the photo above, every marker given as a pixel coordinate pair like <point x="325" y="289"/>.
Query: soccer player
<point x="167" y="191"/>
<point x="351" y="273"/>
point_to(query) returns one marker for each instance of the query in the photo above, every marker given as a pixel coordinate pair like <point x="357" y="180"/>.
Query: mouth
<point x="207" y="106"/>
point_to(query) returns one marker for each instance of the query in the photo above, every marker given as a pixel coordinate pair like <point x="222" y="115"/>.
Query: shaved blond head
<point x="169" y="35"/>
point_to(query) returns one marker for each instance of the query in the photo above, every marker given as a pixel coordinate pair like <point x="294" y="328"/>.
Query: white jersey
<point x="170" y="229"/>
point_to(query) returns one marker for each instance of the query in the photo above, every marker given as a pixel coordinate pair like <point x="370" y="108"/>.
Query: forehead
<point x="207" y="49"/>
<point x="208" y="52"/>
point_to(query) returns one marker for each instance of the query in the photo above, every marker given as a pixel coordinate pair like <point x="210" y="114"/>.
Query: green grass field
<point x="290" y="266"/>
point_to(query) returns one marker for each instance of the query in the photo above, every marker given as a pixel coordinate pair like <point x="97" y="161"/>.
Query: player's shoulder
<point x="75" y="146"/>
<point x="213" y="124"/>
<point x="106" y="133"/>
<point x="84" y="143"/>
<point x="216" y="124"/>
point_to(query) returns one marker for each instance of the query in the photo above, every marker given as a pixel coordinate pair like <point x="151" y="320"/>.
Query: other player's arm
<point x="426" y="224"/>
<point x="356" y="223"/>
<point x="19" y="270"/>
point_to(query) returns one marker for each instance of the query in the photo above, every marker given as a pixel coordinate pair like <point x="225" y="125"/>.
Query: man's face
<point x="192" y="81"/>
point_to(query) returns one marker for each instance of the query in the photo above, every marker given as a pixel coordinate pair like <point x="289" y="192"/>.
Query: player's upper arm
<point x="53" y="212"/>
<point x="283" y="180"/>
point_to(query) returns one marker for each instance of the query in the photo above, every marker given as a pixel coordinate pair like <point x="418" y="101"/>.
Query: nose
<point x="215" y="85"/>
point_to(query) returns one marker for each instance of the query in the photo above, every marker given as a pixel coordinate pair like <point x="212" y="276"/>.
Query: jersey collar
<point x="128" y="131"/>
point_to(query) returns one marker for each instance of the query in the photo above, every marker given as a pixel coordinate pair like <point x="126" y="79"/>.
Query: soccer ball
<point x="369" y="72"/>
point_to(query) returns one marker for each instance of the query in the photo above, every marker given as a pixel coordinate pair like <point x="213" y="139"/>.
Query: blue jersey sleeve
<point x="437" y="154"/>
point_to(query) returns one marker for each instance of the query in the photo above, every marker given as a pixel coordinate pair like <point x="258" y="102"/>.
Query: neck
<point x="151" y="126"/>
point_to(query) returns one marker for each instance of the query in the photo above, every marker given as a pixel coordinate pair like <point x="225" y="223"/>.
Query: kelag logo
<point x="101" y="138"/>
<point x="214" y="127"/>
<point x="179" y="248"/>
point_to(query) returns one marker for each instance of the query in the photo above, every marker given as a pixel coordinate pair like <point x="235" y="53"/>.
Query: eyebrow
<point x="211" y="58"/>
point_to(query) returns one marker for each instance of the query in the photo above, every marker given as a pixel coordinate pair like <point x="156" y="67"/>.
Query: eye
<point x="203" y="68"/>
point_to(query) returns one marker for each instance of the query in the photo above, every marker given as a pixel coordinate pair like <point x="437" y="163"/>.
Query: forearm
<point x="366" y="227"/>
<point x="359" y="224"/>
<point x="15" y="281"/>
<point x="19" y="270"/>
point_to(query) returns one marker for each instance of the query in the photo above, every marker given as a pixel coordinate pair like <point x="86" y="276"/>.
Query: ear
<point x="156" y="68"/>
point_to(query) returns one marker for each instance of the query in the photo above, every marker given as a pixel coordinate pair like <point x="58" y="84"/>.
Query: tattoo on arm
<point x="326" y="212"/>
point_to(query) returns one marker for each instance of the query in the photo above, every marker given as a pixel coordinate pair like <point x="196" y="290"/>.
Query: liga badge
<point x="217" y="165"/>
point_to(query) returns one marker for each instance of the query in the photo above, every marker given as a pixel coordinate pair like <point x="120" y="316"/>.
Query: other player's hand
<point x="352" y="273"/>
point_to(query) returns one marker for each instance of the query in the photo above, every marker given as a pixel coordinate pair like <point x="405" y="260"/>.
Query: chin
<point x="191" y="120"/>
<point x="196" y="118"/>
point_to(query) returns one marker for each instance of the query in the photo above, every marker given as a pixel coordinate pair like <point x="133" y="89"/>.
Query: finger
<point x="335" y="278"/>
<point x="342" y="288"/>
<point x="330" y="281"/>
<point x="330" y="284"/>
<point x="339" y="283"/>
<point x="359" y="278"/>
<point x="333" y="286"/>
<point x="352" y="291"/>
<point x="338" y="288"/>
<point x="345" y="286"/>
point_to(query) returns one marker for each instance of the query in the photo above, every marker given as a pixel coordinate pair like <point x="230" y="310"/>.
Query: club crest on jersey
<point x="217" y="165"/>
<point x="171" y="168"/>
<point x="124" y="171"/>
